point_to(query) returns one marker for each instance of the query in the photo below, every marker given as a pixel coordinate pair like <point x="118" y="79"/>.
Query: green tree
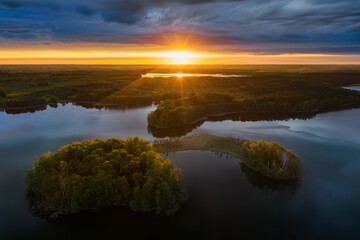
<point x="99" y="173"/>
<point x="3" y="93"/>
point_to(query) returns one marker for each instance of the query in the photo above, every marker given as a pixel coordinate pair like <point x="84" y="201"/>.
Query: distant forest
<point x="271" y="88"/>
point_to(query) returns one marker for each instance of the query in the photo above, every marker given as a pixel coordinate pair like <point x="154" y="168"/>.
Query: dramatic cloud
<point x="276" y="26"/>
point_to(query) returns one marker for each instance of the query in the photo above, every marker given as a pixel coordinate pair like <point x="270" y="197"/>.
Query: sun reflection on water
<point x="181" y="75"/>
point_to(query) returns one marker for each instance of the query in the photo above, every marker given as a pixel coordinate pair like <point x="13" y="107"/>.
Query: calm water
<point x="168" y="75"/>
<point x="226" y="199"/>
<point x="354" y="87"/>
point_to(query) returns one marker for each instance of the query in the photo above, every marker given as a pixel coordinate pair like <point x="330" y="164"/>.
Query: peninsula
<point x="267" y="158"/>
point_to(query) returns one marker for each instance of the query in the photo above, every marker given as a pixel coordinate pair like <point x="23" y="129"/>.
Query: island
<point x="94" y="174"/>
<point x="197" y="108"/>
<point x="268" y="158"/>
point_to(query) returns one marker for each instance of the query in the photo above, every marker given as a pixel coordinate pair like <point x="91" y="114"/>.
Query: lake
<point x="180" y="75"/>
<point x="354" y="87"/>
<point x="227" y="200"/>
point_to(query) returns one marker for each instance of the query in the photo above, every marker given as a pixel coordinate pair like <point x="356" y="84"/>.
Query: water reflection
<point x="180" y="75"/>
<point x="172" y="132"/>
<point x="26" y="109"/>
<point x="33" y="109"/>
<point x="240" y="117"/>
<point x="262" y="182"/>
<point x="354" y="87"/>
<point x="120" y="106"/>
<point x="225" y="198"/>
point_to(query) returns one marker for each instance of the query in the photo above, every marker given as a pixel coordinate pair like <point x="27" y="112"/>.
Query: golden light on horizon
<point x="112" y="55"/>
<point x="180" y="57"/>
<point x="179" y="75"/>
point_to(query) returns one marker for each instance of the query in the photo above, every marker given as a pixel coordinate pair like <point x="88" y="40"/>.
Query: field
<point x="28" y="88"/>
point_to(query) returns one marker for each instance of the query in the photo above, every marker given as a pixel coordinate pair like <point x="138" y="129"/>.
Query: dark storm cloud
<point x="122" y="11"/>
<point x="11" y="4"/>
<point x="319" y="26"/>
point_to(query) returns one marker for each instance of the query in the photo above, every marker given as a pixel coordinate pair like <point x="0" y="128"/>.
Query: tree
<point x="163" y="198"/>
<point x="100" y="173"/>
<point x="3" y="93"/>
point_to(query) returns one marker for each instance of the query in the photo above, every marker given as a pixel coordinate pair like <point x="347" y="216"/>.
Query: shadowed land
<point x="270" y="159"/>
<point x="284" y="88"/>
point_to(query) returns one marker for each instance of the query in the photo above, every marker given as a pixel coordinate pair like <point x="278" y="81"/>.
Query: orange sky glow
<point x="130" y="54"/>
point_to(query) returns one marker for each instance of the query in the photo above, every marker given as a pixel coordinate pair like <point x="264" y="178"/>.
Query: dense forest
<point x="268" y="158"/>
<point x="199" y="107"/>
<point x="271" y="159"/>
<point x="2" y="93"/>
<point x="282" y="88"/>
<point x="90" y="175"/>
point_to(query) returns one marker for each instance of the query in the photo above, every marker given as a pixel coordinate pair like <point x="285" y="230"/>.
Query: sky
<point x="180" y="31"/>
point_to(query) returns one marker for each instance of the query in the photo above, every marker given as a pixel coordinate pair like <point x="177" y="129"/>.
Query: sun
<point x="179" y="57"/>
<point x="179" y="75"/>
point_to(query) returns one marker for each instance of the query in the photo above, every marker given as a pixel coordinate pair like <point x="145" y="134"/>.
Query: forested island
<point x="267" y="158"/>
<point x="94" y="174"/>
<point x="199" y="107"/>
<point x="265" y="88"/>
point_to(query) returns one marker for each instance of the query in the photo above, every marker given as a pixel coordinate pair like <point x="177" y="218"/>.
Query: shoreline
<point x="115" y="105"/>
<point x="316" y="111"/>
<point x="91" y="104"/>
<point x="200" y="143"/>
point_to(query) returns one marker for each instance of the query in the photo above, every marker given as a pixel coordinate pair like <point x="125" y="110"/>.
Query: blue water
<point x="226" y="199"/>
<point x="354" y="87"/>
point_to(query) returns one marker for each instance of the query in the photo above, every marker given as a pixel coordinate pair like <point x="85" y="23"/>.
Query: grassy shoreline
<point x="235" y="147"/>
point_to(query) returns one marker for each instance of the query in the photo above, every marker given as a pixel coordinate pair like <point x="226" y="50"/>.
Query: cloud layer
<point x="274" y="26"/>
